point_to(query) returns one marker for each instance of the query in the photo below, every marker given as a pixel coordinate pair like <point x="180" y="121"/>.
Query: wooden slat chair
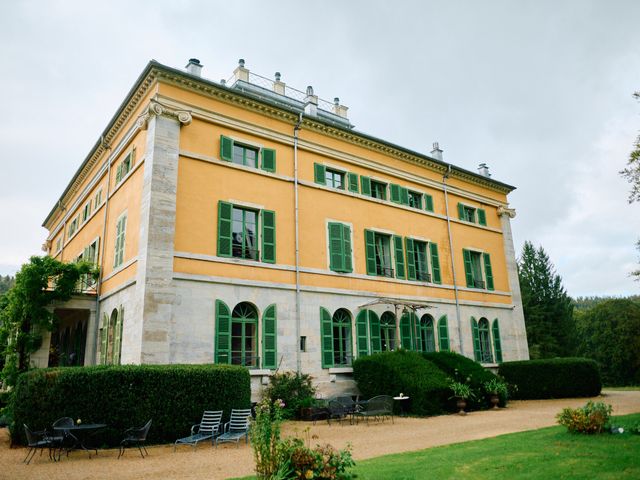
<point x="377" y="407"/>
<point x="208" y="428"/>
<point x="237" y="427"/>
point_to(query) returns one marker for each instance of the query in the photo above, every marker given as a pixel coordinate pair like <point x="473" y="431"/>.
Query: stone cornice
<point x="199" y="85"/>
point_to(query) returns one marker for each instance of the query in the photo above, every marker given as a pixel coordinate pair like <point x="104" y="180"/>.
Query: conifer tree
<point x="548" y="310"/>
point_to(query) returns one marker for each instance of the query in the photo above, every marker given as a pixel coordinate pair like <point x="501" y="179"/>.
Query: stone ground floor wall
<point x="193" y="323"/>
<point x="193" y="327"/>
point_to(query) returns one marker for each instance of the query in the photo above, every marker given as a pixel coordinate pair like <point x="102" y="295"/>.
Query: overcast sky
<point x="540" y="91"/>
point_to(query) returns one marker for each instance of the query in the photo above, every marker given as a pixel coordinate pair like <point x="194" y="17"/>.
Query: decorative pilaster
<point x="154" y="290"/>
<point x="516" y="330"/>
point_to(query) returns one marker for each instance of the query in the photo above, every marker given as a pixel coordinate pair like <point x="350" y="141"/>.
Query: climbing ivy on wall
<point x="24" y="312"/>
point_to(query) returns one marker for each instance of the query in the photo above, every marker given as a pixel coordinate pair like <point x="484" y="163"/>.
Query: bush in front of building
<point x="173" y="396"/>
<point x="295" y="389"/>
<point x="402" y="371"/>
<point x="553" y="378"/>
<point x="466" y="370"/>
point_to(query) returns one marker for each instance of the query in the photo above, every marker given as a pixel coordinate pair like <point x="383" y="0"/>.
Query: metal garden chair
<point x="208" y="427"/>
<point x="137" y="437"/>
<point x="38" y="440"/>
<point x="237" y="427"/>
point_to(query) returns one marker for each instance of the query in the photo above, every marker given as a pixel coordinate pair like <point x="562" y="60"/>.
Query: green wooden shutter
<point x="336" y="254"/>
<point x="319" y="174"/>
<point x="405" y="332"/>
<point x="119" y="173"/>
<point x="104" y="339"/>
<point x="418" y="327"/>
<point x="346" y="248"/>
<point x="461" y="211"/>
<point x="223" y="333"/>
<point x="268" y="236"/>
<point x="443" y="333"/>
<point x="370" y="248"/>
<point x="482" y="217"/>
<point x="404" y="196"/>
<point x="117" y="338"/>
<point x="353" y="182"/>
<point x="226" y="148"/>
<point x="487" y="270"/>
<point x="268" y="160"/>
<point x="435" y="263"/>
<point x="468" y="269"/>
<point x="476" y="339"/>
<point x="411" y="259"/>
<point x="374" y="332"/>
<point x="395" y="193"/>
<point x="326" y="336"/>
<point x="497" y="344"/>
<point x="397" y="240"/>
<point x="224" y="228"/>
<point x="365" y="185"/>
<point x="428" y="202"/>
<point x="361" y="333"/>
<point x="269" y="336"/>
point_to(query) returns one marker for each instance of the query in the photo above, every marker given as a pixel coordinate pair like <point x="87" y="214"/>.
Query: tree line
<point x="605" y="329"/>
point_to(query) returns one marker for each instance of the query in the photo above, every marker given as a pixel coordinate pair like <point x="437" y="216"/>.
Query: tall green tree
<point x="548" y="310"/>
<point x="632" y="175"/>
<point x="25" y="311"/>
<point x="610" y="334"/>
<point x="6" y="282"/>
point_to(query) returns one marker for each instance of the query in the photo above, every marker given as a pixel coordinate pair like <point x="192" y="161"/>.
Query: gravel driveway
<point x="205" y="462"/>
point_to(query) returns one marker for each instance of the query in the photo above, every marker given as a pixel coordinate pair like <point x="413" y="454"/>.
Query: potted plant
<point x="305" y="408"/>
<point x="495" y="388"/>
<point x="461" y="392"/>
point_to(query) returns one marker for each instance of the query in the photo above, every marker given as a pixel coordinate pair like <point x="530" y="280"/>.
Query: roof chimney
<point x="311" y="103"/>
<point x="436" y="152"/>
<point x="194" y="67"/>
<point x="240" y="72"/>
<point x="338" y="109"/>
<point x="484" y="170"/>
<point x="279" y="86"/>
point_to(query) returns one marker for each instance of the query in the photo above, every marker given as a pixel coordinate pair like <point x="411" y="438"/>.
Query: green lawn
<point x="538" y="454"/>
<point x="636" y="387"/>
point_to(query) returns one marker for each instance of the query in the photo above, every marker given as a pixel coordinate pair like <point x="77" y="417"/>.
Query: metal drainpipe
<point x="453" y="264"/>
<point x="296" y="128"/>
<point x="102" y="249"/>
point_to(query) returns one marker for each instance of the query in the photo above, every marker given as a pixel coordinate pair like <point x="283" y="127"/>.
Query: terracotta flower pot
<point x="495" y="400"/>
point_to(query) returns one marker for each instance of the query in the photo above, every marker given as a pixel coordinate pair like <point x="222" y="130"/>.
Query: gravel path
<point x="405" y="434"/>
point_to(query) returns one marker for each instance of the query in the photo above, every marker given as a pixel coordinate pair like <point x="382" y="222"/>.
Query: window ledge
<point x="490" y="365"/>
<point x="260" y="372"/>
<point x="333" y="370"/>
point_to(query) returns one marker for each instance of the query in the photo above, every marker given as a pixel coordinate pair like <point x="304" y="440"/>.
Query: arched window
<point x="426" y="333"/>
<point x="244" y="329"/>
<point x="341" y="326"/>
<point x="485" y="341"/>
<point x="388" y="331"/>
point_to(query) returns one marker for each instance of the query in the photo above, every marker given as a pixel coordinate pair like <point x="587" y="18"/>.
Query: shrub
<point x="553" y="378"/>
<point x="174" y="396"/>
<point x="609" y="333"/>
<point x="592" y="418"/>
<point x="265" y="438"/>
<point x="391" y="373"/>
<point x="465" y="370"/>
<point x="294" y="389"/>
<point x="322" y="462"/>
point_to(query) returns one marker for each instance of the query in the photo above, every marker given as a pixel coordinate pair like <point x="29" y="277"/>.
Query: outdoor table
<point x="81" y="433"/>
<point x="401" y="399"/>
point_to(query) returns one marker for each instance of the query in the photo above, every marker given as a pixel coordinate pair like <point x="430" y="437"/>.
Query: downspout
<point x="453" y="263"/>
<point x="296" y="128"/>
<point x="107" y="147"/>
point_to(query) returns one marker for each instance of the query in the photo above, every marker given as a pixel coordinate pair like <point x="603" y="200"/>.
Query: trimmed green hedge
<point x="174" y="396"/>
<point x="553" y="378"/>
<point x="466" y="370"/>
<point x="391" y="373"/>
